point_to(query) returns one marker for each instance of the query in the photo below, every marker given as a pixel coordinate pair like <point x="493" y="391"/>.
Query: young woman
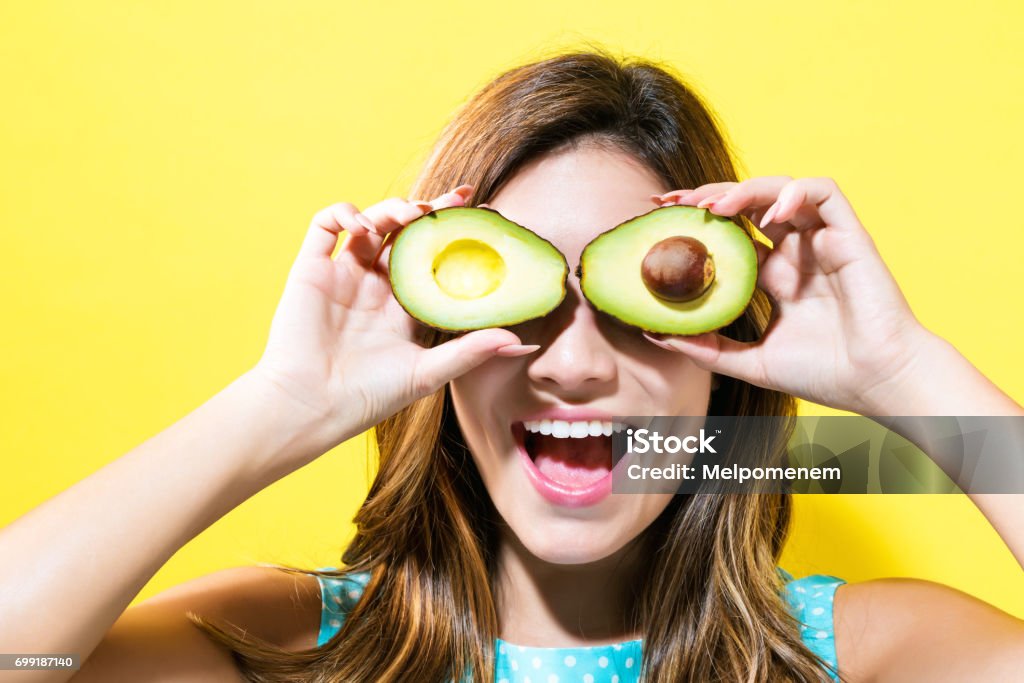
<point x="462" y="567"/>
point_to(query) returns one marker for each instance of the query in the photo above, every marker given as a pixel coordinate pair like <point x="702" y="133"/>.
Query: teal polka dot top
<point x="809" y="599"/>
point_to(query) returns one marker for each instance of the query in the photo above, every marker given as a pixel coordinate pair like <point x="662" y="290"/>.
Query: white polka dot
<point x="818" y="611"/>
<point x="536" y="662"/>
<point x="629" y="662"/>
<point x="354" y="595"/>
<point x="552" y="678"/>
<point x="821" y="634"/>
<point x="514" y="664"/>
<point x="503" y="680"/>
<point x="526" y="679"/>
<point x="502" y="649"/>
<point x="587" y="678"/>
<point x="617" y="647"/>
<point x="334" y="623"/>
<point x="800" y="606"/>
<point x="522" y="649"/>
<point x="602" y="662"/>
<point x="615" y="678"/>
<point x="800" y="589"/>
<point x="336" y="599"/>
<point x="818" y="594"/>
<point x="570" y="660"/>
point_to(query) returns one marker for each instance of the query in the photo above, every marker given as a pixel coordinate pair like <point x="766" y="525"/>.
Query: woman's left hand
<point x="841" y="334"/>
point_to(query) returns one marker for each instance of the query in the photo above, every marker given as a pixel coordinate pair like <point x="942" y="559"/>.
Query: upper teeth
<point x="563" y="429"/>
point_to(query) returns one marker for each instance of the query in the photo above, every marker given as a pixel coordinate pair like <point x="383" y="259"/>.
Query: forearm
<point x="942" y="382"/>
<point x="72" y="565"/>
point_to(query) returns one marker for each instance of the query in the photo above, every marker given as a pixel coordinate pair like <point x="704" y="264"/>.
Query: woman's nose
<point x="575" y="357"/>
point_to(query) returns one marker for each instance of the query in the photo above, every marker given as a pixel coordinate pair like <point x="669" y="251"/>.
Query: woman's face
<point x="553" y="490"/>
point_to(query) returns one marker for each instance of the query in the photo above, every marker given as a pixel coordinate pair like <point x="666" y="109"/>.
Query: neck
<point x="542" y="604"/>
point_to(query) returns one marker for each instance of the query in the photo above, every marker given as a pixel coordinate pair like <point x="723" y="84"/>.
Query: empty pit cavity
<point x="468" y="269"/>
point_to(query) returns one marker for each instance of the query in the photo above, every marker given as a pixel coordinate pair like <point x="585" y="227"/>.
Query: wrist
<point x="294" y="433"/>
<point x="936" y="379"/>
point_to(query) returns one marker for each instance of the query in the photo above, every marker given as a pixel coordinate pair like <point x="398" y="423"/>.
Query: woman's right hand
<point x="341" y="346"/>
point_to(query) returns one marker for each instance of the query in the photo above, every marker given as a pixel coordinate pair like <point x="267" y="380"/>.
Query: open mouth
<point x="568" y="461"/>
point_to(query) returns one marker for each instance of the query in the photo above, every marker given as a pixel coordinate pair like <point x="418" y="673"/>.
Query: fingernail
<point x="425" y="207"/>
<point x="709" y="201"/>
<point x="656" y="198"/>
<point x="674" y="196"/>
<point x="513" y="350"/>
<point x="367" y="223"/>
<point x="452" y="198"/>
<point x="464" y="191"/>
<point x="658" y="342"/>
<point x="769" y="215"/>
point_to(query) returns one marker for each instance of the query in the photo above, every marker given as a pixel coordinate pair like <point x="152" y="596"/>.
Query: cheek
<point x="674" y="384"/>
<point x="476" y="392"/>
<point x="480" y="399"/>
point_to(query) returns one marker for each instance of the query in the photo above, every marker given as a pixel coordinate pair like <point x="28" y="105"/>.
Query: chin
<point x="567" y="540"/>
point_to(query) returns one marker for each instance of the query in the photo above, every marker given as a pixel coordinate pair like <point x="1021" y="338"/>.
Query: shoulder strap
<point x="338" y="596"/>
<point x="810" y="600"/>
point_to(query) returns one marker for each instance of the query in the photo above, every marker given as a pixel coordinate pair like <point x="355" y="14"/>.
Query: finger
<point x="457" y="197"/>
<point x="776" y="276"/>
<point x="717" y="353"/>
<point x="815" y="202"/>
<point x="391" y="214"/>
<point x="776" y="231"/>
<point x="771" y="274"/>
<point x="387" y="217"/>
<point x="396" y="214"/>
<point x="441" y="364"/>
<point x="693" y="197"/>
<point x="322" y="236"/>
<point x="751" y="197"/>
<point x="669" y="197"/>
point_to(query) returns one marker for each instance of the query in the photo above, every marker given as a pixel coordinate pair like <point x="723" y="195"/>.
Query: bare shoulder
<point x="155" y="640"/>
<point x="909" y="629"/>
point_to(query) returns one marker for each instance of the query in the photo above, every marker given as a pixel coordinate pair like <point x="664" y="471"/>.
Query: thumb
<point x="717" y="353"/>
<point x="447" y="361"/>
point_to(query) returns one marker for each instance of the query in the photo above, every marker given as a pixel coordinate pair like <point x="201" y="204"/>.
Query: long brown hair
<point x="710" y="606"/>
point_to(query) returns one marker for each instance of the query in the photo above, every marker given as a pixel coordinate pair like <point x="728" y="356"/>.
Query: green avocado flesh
<point x="464" y="268"/>
<point x="612" y="276"/>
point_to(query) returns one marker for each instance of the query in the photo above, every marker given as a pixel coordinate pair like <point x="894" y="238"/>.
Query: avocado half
<point x="466" y="268"/>
<point x="615" y="271"/>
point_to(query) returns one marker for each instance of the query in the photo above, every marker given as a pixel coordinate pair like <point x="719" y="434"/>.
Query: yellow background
<point x="161" y="160"/>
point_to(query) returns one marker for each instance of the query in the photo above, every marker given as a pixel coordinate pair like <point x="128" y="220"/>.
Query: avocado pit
<point x="678" y="269"/>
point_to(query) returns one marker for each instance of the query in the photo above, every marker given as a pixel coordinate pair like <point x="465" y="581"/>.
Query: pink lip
<point x="556" y="492"/>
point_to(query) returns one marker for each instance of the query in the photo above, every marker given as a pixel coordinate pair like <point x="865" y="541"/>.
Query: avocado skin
<point x="581" y="274"/>
<point x="433" y="215"/>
